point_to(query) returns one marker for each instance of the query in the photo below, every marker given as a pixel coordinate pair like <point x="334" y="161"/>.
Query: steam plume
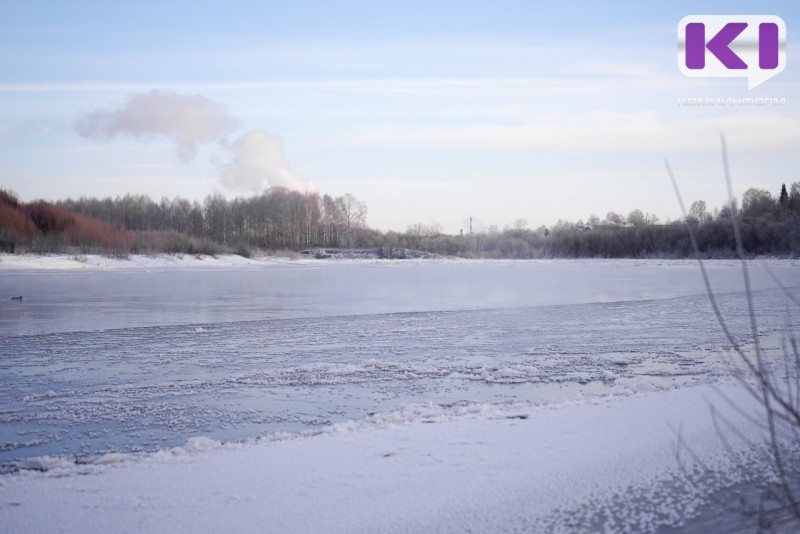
<point x="189" y="120"/>
<point x="258" y="159"/>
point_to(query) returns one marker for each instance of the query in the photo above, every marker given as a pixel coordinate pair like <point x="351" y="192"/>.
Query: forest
<point x="281" y="220"/>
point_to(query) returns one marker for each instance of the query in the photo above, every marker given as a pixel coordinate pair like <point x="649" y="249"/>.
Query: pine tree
<point x="784" y="198"/>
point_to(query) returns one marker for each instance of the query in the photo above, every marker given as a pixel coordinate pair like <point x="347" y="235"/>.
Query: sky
<point x="429" y="112"/>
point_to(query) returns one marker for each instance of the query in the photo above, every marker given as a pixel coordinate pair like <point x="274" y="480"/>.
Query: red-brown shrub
<point x="9" y="199"/>
<point x="79" y="229"/>
<point x="15" y="221"/>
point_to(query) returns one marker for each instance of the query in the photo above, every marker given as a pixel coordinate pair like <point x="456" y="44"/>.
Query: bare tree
<point x="697" y="212"/>
<point x="778" y="396"/>
<point x="637" y="218"/>
<point x="331" y="221"/>
<point x="419" y="235"/>
<point x="520" y="224"/>
<point x="794" y="198"/>
<point x="353" y="213"/>
<point x="615" y="218"/>
<point x="757" y="202"/>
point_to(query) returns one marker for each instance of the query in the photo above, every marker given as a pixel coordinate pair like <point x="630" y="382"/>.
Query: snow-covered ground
<point x="85" y="262"/>
<point x="603" y="465"/>
<point x="95" y="262"/>
<point x="350" y="396"/>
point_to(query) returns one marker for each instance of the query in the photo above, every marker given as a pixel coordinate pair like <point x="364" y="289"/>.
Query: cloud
<point x="258" y="159"/>
<point x="188" y="120"/>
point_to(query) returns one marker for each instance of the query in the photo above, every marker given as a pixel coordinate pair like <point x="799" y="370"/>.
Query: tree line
<point x="276" y="219"/>
<point x="281" y="219"/>
<point x="769" y="224"/>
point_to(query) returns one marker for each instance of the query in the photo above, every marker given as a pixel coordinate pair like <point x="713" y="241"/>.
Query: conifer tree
<point x="784" y="198"/>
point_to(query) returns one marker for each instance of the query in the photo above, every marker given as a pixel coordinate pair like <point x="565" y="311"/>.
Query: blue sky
<point x="431" y="112"/>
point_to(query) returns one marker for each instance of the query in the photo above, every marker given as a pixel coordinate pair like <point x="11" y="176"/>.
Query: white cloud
<point x="188" y="120"/>
<point x="258" y="159"/>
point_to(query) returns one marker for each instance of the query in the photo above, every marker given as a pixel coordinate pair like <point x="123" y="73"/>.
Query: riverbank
<point x="84" y="262"/>
<point x="142" y="262"/>
<point x="602" y="463"/>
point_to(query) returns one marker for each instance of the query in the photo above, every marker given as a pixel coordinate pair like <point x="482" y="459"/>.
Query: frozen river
<point x="128" y="360"/>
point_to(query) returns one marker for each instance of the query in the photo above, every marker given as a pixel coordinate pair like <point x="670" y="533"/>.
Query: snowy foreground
<point x="605" y="464"/>
<point x="205" y="395"/>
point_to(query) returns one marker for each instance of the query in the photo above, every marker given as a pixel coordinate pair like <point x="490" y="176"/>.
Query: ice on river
<point x="548" y="375"/>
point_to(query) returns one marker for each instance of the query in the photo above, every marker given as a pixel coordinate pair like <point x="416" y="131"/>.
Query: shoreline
<point x="142" y="262"/>
<point x="593" y="463"/>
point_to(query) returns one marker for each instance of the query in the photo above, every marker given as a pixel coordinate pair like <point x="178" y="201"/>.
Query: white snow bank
<point x="480" y="470"/>
<point x="137" y="262"/>
<point x="81" y="262"/>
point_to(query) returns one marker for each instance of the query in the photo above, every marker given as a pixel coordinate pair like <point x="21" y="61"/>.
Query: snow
<point x="140" y="262"/>
<point x="557" y="467"/>
<point x="187" y="395"/>
<point x="134" y="262"/>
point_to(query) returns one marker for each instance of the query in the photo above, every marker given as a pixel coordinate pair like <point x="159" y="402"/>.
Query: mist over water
<point x="96" y="300"/>
<point x="126" y="361"/>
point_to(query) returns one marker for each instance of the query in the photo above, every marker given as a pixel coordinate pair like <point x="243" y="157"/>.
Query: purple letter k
<point x="719" y="45"/>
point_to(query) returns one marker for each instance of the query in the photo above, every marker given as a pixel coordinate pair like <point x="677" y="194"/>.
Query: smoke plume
<point x="257" y="159"/>
<point x="189" y="120"/>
